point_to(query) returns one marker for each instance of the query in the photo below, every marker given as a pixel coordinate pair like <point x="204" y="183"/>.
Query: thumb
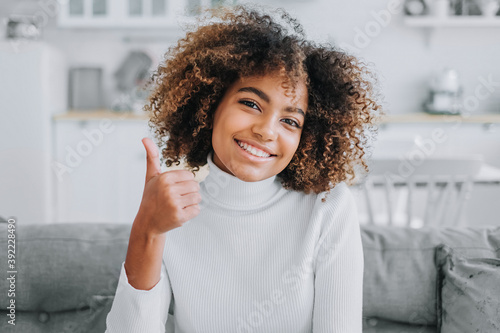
<point x="152" y="158"/>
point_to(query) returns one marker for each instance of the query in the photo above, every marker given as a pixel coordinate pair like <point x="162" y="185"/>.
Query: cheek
<point x="218" y="132"/>
<point x="290" y="144"/>
<point x="221" y="127"/>
<point x="293" y="141"/>
<point x="238" y="120"/>
<point x="232" y="122"/>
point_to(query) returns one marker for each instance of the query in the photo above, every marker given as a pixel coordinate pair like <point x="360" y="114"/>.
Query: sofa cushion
<point x="468" y="292"/>
<point x="376" y="325"/>
<point x="400" y="274"/>
<point x="60" y="266"/>
<point x="89" y="319"/>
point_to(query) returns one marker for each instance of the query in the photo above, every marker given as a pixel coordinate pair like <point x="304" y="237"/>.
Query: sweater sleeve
<point x="139" y="311"/>
<point x="339" y="267"/>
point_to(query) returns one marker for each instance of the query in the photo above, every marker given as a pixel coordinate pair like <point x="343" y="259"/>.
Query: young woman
<point x="269" y="241"/>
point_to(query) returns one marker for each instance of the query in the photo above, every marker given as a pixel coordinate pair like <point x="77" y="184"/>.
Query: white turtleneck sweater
<point x="258" y="258"/>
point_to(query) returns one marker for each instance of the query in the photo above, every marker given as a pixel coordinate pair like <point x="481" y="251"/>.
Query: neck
<point x="227" y="190"/>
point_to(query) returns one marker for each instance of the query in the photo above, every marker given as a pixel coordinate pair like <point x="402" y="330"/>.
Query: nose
<point x="265" y="128"/>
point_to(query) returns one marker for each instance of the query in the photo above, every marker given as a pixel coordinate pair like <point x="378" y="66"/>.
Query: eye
<point x="250" y="104"/>
<point x="292" y="122"/>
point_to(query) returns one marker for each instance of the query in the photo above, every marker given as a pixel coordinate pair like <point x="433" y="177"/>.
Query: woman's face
<point x="257" y="127"/>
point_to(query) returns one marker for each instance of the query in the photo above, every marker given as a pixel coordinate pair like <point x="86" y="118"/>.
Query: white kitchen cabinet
<point x="119" y="13"/>
<point x="131" y="13"/>
<point x="100" y="169"/>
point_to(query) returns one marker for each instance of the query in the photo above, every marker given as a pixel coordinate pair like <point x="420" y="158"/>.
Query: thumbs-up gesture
<point x="170" y="198"/>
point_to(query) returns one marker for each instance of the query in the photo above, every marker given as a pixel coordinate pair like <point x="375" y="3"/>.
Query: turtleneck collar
<point x="231" y="192"/>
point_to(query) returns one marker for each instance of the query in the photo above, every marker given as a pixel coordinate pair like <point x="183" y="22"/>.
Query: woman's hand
<point x="169" y="199"/>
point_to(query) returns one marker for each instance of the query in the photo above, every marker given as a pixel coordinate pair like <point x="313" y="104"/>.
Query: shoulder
<point x="338" y="211"/>
<point x="339" y="197"/>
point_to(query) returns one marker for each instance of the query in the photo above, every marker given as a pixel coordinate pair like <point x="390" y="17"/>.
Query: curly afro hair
<point x="242" y="42"/>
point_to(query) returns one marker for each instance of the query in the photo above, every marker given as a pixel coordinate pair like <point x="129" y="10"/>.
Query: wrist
<point x="142" y="228"/>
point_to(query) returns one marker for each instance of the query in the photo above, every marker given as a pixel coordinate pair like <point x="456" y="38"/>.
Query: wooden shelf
<point x="475" y="21"/>
<point x="422" y="117"/>
<point x="100" y="114"/>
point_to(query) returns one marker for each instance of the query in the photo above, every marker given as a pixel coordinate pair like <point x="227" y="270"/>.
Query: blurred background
<point x="72" y="75"/>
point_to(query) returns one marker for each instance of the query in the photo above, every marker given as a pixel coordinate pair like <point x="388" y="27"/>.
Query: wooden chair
<point x="433" y="192"/>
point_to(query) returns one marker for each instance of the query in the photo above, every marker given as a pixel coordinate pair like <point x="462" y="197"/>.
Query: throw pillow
<point x="468" y="292"/>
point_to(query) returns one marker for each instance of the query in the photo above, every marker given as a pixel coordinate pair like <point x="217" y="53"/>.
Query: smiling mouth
<point x="253" y="150"/>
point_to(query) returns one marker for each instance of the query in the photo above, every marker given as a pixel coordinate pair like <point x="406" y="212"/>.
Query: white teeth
<point x="252" y="150"/>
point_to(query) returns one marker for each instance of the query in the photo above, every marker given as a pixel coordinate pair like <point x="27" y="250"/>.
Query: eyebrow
<point x="266" y="98"/>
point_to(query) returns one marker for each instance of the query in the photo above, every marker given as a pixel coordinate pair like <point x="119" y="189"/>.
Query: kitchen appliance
<point x="415" y="7"/>
<point x="445" y="95"/>
<point x="23" y="26"/>
<point x="489" y="8"/>
<point x="131" y="80"/>
<point x="439" y="8"/>
<point x="85" y="88"/>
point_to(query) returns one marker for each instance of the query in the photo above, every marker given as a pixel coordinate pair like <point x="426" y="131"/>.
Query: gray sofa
<point x="67" y="275"/>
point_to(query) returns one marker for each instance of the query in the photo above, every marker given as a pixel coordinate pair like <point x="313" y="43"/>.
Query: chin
<point x="249" y="177"/>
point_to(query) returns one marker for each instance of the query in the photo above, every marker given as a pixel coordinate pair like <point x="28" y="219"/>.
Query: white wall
<point x="399" y="54"/>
